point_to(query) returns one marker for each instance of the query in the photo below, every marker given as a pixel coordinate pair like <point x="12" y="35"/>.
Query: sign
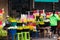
<point x="46" y="0"/>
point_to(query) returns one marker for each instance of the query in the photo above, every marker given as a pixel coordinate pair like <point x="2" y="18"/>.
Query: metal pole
<point x="33" y="4"/>
<point x="53" y="6"/>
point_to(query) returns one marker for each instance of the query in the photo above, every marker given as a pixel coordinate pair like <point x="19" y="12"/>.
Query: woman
<point x="53" y="23"/>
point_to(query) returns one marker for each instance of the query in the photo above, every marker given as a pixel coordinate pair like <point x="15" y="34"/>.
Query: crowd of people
<point x="52" y="21"/>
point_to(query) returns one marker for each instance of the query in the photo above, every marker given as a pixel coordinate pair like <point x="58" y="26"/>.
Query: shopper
<point x="53" y="23"/>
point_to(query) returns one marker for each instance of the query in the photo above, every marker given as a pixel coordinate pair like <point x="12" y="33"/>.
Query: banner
<point x="46" y="0"/>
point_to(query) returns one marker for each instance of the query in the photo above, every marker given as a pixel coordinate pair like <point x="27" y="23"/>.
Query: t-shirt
<point x="53" y="20"/>
<point x="41" y="20"/>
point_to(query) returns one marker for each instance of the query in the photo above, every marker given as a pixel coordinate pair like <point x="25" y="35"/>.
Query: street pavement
<point x="45" y="39"/>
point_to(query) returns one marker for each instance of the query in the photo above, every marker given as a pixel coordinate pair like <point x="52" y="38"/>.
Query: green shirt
<point x="53" y="20"/>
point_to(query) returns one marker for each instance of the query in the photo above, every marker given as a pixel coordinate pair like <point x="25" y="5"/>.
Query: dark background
<point x="21" y="6"/>
<point x="17" y="7"/>
<point x="47" y="6"/>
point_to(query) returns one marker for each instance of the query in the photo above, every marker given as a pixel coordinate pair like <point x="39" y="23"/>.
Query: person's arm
<point x="57" y="17"/>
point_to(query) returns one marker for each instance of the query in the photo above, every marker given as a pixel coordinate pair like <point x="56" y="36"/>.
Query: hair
<point x="53" y="12"/>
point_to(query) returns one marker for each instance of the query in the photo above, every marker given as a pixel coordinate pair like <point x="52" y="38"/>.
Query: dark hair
<point x="53" y="12"/>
